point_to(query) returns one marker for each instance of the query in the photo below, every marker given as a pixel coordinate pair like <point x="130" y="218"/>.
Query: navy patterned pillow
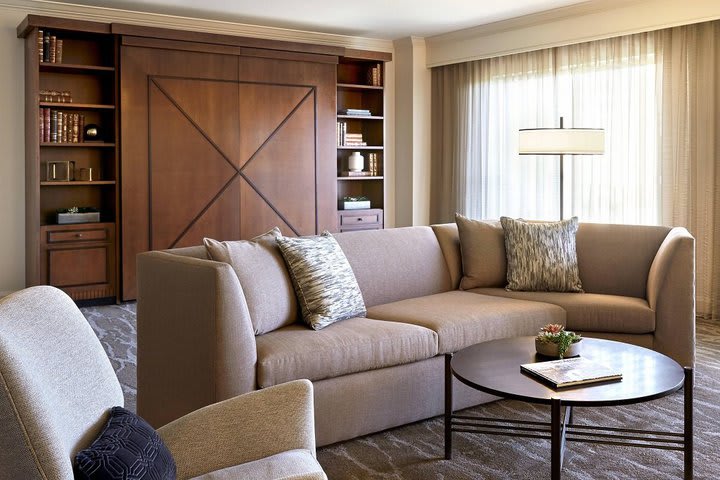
<point x="324" y="282"/>
<point x="128" y="448"/>
<point x="541" y="256"/>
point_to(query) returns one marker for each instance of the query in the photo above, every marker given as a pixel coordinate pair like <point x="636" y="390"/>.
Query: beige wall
<point x="412" y="133"/>
<point x="12" y="154"/>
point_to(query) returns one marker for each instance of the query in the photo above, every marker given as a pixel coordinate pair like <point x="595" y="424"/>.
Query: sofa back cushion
<point x="482" y="248"/>
<point x="395" y="264"/>
<point x="264" y="278"/>
<point x="616" y="259"/>
<point x="612" y="259"/>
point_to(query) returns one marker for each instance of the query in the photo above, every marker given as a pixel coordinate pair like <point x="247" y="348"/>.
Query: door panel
<point x="222" y="146"/>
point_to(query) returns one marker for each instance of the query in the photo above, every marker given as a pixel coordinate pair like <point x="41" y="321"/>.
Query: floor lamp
<point x="561" y="141"/>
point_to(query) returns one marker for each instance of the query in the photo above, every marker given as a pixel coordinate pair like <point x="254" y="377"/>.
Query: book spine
<point x="76" y="128"/>
<point x="46" y="47"/>
<point x="46" y="132"/>
<point x="42" y="124"/>
<point x="53" y="125"/>
<point x="379" y="74"/>
<point x="40" y="42"/>
<point x="60" y="126"/>
<point x="53" y="47"/>
<point x="81" y="128"/>
<point x="58" y="51"/>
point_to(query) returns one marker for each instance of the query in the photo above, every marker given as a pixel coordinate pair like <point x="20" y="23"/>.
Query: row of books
<point x="55" y="96"/>
<point x="346" y="139"/>
<point x="360" y="112"/>
<point x="375" y="75"/>
<point x="373" y="164"/>
<point x="50" y="48"/>
<point x="61" y="127"/>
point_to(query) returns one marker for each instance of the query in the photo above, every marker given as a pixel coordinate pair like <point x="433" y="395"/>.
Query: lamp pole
<point x="562" y="166"/>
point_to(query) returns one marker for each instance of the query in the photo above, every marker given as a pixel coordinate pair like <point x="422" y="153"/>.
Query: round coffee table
<point x="494" y="367"/>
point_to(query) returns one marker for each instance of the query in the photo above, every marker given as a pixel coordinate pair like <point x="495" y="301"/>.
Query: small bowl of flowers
<point x="554" y="341"/>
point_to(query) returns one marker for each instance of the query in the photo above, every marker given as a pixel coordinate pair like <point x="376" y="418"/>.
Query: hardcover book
<point x="570" y="372"/>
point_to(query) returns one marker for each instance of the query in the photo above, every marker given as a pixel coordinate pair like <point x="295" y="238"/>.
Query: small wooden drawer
<point x="94" y="235"/>
<point x="360" y="219"/>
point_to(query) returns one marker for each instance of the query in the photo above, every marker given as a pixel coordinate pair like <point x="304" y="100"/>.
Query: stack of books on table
<point x="358" y="112"/>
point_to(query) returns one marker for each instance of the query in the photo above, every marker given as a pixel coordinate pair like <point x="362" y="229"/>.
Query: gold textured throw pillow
<point x="541" y="256"/>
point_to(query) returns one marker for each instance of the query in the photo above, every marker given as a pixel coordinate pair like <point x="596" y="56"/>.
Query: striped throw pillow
<point x="541" y="256"/>
<point x="323" y="279"/>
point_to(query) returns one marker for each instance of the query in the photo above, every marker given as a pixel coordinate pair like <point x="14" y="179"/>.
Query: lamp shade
<point x="558" y="141"/>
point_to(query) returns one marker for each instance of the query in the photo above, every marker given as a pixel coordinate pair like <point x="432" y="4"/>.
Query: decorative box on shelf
<point x="77" y="215"/>
<point x="355" y="204"/>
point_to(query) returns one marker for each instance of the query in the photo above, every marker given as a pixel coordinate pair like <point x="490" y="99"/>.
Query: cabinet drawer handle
<point x="79" y="235"/>
<point x="359" y="219"/>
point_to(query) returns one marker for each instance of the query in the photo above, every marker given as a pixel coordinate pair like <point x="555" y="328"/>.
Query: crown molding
<point x="591" y="20"/>
<point x="109" y="15"/>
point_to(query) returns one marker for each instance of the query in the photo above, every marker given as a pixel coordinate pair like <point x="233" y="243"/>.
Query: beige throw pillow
<point x="324" y="282"/>
<point x="260" y="267"/>
<point x="541" y="256"/>
<point x="482" y="248"/>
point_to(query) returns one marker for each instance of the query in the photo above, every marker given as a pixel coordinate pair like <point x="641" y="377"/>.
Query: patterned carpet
<point x="416" y="451"/>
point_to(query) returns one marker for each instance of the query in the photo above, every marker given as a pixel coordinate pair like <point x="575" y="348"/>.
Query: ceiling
<point x="386" y="19"/>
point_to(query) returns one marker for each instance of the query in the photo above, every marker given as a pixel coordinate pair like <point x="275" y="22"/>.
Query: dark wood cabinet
<point x="78" y="90"/>
<point x="361" y="119"/>
<point x="80" y="259"/>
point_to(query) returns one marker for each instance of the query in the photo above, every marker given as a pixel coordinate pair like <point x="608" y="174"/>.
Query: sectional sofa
<point x="197" y="343"/>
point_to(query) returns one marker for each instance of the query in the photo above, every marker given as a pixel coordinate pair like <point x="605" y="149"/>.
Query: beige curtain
<point x="691" y="148"/>
<point x="679" y="104"/>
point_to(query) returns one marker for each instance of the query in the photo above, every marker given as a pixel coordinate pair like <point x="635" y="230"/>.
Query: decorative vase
<point x="356" y="162"/>
<point x="550" y="349"/>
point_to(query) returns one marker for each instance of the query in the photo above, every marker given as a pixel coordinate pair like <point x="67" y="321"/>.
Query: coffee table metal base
<point x="560" y="429"/>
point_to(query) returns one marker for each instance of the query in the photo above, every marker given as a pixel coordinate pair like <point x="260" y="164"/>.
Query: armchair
<point x="57" y="386"/>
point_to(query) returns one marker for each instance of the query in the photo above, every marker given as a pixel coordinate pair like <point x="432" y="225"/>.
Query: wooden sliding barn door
<point x="225" y="146"/>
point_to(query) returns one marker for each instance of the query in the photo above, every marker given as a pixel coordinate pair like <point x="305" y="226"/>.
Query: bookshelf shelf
<point x="77" y="183"/>
<point x="74" y="68"/>
<point x="77" y="106"/>
<point x="368" y="147"/>
<point x="380" y="177"/>
<point x="79" y="145"/>
<point x="357" y="86"/>
<point x="360" y="117"/>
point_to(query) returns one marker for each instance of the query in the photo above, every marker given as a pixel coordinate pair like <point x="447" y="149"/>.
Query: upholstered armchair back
<point x="56" y="384"/>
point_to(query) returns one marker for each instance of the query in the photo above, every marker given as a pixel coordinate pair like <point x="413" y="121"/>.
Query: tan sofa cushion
<point x="462" y="319"/>
<point x="263" y="276"/>
<point x="350" y="346"/>
<point x="396" y="263"/>
<point x="616" y="259"/>
<point x="591" y="312"/>
<point x="482" y="249"/>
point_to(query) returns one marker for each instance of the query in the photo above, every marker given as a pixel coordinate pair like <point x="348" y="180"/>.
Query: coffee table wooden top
<point x="494" y="367"/>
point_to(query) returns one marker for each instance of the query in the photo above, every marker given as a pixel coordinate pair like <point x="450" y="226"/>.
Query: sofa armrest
<point x="243" y="429"/>
<point x="196" y="344"/>
<point x="671" y="294"/>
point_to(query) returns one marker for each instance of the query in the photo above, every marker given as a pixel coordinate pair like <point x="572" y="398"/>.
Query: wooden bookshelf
<point x="79" y="258"/>
<point x="357" y="88"/>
